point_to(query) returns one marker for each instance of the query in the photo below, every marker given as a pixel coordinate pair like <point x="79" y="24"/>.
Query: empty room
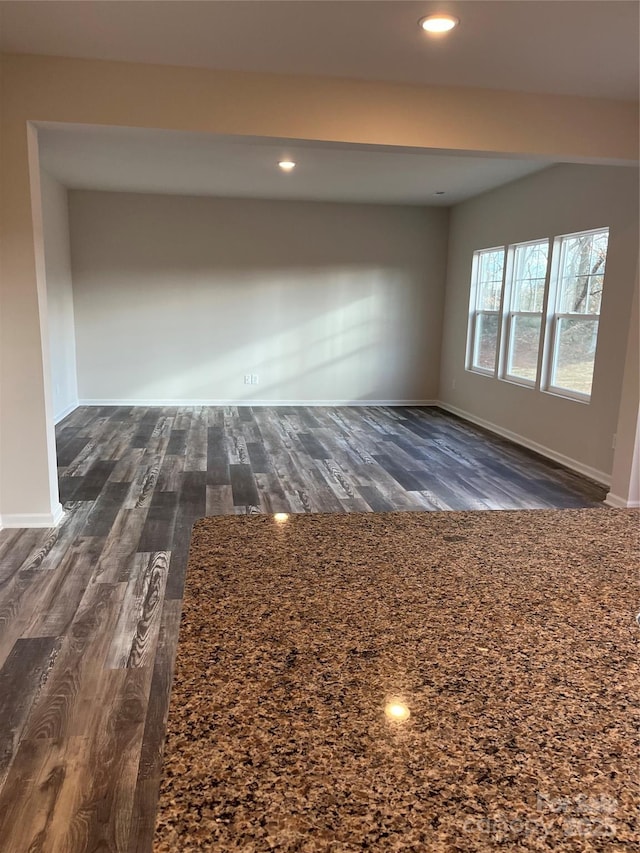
<point x="319" y="426"/>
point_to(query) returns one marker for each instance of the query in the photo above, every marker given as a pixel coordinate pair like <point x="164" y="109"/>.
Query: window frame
<point x="509" y="314"/>
<point x="553" y="318"/>
<point x="475" y="312"/>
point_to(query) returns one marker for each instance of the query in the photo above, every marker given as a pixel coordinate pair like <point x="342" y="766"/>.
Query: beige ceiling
<point x="134" y="160"/>
<point x="548" y="46"/>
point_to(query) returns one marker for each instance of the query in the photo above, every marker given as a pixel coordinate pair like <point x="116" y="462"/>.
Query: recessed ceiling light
<point x="438" y="23"/>
<point x="287" y="165"/>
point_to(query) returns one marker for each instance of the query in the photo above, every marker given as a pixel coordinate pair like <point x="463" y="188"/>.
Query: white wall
<point x="62" y="345"/>
<point x="625" y="478"/>
<point x="559" y="200"/>
<point x="176" y="298"/>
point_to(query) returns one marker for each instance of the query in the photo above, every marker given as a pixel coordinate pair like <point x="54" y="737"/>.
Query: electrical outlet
<point x="255" y="379"/>
<point x="247" y="379"/>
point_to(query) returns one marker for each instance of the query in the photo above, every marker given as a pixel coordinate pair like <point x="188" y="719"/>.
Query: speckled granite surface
<point x="509" y="636"/>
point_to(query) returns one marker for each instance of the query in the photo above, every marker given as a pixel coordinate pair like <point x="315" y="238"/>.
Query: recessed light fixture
<point x="287" y="165"/>
<point x="438" y="23"/>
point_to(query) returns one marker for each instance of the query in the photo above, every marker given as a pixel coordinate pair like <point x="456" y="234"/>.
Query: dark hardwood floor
<point x="89" y="612"/>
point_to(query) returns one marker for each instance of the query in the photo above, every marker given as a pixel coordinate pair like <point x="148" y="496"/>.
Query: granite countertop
<point x="406" y="682"/>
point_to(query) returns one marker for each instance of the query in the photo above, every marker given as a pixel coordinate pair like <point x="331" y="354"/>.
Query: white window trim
<point x="549" y="340"/>
<point x="554" y="288"/>
<point x="508" y="314"/>
<point x="474" y="312"/>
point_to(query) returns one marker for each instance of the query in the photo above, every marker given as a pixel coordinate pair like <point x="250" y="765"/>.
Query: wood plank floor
<point x="89" y="612"/>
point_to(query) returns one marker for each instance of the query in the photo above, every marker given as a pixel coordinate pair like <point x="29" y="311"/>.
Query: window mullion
<point x="504" y="333"/>
<point x="552" y="289"/>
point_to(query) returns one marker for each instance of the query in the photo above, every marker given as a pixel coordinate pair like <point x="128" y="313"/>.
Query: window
<point x="526" y="286"/>
<point x="484" y="316"/>
<point x="576" y="312"/>
<point x="533" y="319"/>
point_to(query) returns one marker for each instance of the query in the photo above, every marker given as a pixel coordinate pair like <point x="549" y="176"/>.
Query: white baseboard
<point x="258" y="403"/>
<point x="620" y="503"/>
<point x="38" y="519"/>
<point x="566" y="461"/>
<point x="67" y="411"/>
